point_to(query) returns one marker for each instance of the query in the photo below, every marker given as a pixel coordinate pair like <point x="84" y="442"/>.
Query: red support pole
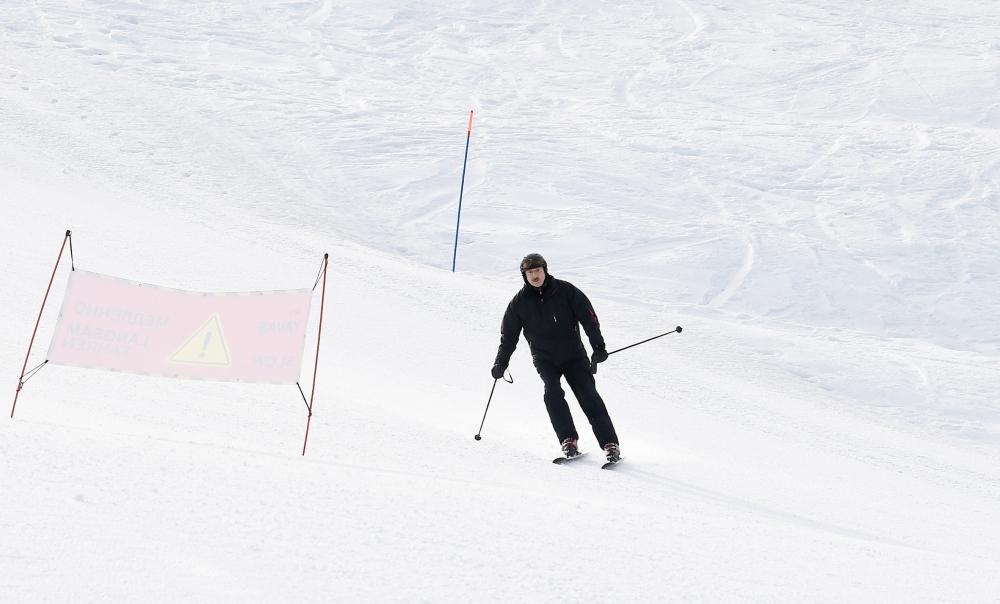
<point x="20" y="380"/>
<point x="319" y="334"/>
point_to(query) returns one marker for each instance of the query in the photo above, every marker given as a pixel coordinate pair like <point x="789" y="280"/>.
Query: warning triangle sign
<point x="206" y="346"/>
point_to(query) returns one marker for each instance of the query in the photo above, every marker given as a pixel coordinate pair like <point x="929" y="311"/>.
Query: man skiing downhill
<point x="550" y="312"/>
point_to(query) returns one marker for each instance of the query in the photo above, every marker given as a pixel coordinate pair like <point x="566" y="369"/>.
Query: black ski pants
<point x="581" y="381"/>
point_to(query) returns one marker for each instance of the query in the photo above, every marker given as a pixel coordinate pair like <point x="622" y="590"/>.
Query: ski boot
<point x="569" y="448"/>
<point x="613" y="453"/>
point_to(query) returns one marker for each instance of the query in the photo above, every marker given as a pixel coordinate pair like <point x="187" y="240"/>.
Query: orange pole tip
<point x="470" y="122"/>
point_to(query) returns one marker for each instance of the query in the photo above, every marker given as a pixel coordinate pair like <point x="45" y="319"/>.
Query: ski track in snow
<point x="810" y="189"/>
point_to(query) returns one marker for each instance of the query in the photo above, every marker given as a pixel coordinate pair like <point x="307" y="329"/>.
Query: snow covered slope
<point x="812" y="189"/>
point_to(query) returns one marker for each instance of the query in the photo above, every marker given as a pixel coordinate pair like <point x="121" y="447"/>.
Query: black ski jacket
<point x="550" y="316"/>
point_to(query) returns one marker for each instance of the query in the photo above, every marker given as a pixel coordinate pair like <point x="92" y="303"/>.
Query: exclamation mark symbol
<point x="204" y="345"/>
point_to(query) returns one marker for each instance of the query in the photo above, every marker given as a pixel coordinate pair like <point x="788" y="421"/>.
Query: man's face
<point x="535" y="276"/>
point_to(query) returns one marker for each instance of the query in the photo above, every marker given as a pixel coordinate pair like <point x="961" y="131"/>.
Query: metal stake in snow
<point x="24" y="373"/>
<point x="468" y="137"/>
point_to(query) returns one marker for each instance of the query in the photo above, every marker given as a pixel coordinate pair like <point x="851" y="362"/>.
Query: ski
<point x="562" y="460"/>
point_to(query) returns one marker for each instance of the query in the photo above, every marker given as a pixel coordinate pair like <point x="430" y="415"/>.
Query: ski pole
<point x="478" y="435"/>
<point x="678" y="329"/>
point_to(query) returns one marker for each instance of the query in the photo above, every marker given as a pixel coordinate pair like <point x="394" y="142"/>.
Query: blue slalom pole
<point x="461" y="191"/>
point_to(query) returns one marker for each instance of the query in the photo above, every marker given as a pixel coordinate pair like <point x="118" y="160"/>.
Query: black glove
<point x="600" y="355"/>
<point x="497" y="371"/>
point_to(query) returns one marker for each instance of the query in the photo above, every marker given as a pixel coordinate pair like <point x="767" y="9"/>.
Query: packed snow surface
<point x="811" y="189"/>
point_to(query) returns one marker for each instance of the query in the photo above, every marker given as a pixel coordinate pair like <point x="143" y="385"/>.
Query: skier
<point x="550" y="311"/>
